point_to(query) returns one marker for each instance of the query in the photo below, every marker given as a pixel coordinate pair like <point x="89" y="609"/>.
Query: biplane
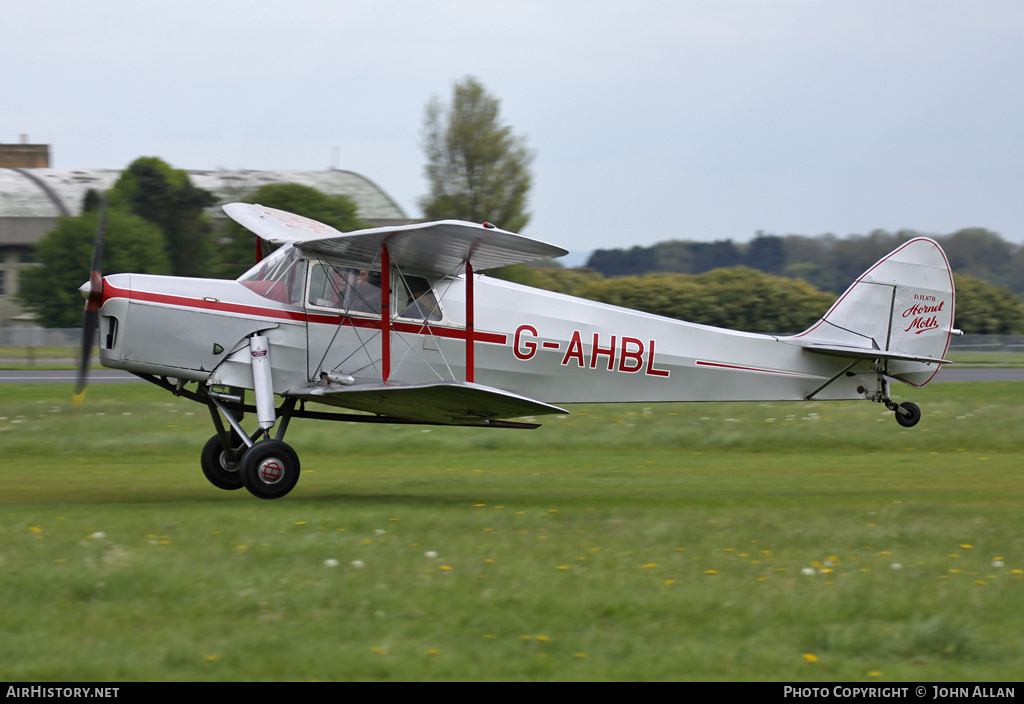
<point x="398" y="325"/>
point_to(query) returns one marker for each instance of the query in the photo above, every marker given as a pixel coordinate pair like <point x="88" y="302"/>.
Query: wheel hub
<point x="270" y="470"/>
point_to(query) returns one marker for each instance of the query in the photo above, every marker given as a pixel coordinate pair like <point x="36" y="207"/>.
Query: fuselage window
<point x="355" y="290"/>
<point x="343" y="288"/>
<point x="416" y="299"/>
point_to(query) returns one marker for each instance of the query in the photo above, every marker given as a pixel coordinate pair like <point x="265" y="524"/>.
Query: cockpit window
<point x="279" y="277"/>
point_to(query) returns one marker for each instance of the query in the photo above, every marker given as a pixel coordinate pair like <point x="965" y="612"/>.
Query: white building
<point x="33" y="198"/>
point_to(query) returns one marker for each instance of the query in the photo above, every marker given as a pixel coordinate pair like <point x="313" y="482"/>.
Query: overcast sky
<point x="651" y="119"/>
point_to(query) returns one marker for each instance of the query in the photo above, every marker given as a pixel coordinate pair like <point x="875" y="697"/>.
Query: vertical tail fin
<point x="903" y="305"/>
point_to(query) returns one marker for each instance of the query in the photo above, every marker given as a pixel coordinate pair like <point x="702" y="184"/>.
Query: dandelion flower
<point x="810" y="657"/>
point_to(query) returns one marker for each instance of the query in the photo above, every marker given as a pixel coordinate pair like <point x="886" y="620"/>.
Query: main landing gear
<point x="267" y="467"/>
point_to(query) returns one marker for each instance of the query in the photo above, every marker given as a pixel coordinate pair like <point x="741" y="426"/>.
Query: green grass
<point x="998" y="358"/>
<point x="627" y="542"/>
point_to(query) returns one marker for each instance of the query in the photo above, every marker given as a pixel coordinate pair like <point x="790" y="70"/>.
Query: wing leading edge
<point x="429" y="248"/>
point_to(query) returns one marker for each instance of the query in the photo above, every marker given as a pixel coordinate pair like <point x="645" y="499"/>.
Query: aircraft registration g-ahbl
<point x="396" y="325"/>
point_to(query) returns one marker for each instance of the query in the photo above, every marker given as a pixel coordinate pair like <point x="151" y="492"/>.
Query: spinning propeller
<point x="93" y="293"/>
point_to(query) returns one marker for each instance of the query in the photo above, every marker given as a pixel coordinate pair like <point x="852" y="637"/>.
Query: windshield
<point x="279" y="277"/>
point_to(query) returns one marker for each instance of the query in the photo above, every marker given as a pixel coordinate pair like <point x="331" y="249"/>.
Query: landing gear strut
<point x="267" y="467"/>
<point x="907" y="414"/>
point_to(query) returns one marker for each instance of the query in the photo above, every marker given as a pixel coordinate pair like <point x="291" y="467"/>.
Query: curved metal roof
<point x="47" y="193"/>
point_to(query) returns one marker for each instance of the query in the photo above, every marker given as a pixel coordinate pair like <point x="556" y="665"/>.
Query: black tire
<point x="218" y="468"/>
<point x="270" y="469"/>
<point x="910" y="420"/>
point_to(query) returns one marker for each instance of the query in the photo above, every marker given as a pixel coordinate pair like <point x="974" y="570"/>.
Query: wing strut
<point x="385" y="312"/>
<point x="385" y="317"/>
<point x="470" y="354"/>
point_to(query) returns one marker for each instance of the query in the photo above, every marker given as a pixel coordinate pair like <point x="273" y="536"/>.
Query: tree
<point x="979" y="253"/>
<point x="151" y="189"/>
<point x="235" y="252"/>
<point x="65" y="254"/>
<point x="985" y="309"/>
<point x="766" y="253"/>
<point x="738" y="298"/>
<point x="477" y="169"/>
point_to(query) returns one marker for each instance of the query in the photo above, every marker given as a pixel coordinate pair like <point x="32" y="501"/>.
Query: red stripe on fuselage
<point x="719" y="365"/>
<point x="110" y="292"/>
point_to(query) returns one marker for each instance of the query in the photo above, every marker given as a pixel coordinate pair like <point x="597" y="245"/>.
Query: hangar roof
<point x="44" y="193"/>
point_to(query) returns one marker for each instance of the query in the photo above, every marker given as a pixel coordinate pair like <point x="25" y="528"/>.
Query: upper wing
<point x="448" y="402"/>
<point x="430" y="248"/>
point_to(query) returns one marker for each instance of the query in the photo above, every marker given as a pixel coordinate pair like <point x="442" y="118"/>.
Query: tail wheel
<point x="218" y="466"/>
<point x="269" y="469"/>
<point x="908" y="414"/>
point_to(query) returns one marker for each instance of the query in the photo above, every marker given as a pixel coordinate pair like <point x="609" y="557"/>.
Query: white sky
<point x="651" y="119"/>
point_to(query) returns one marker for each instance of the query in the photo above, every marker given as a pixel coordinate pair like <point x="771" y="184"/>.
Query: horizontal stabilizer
<point x="447" y="403"/>
<point x="868" y="353"/>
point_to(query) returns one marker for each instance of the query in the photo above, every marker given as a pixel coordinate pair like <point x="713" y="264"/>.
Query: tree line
<point x="988" y="271"/>
<point x="478" y="170"/>
<point x="827" y="262"/>
<point x="158" y="223"/>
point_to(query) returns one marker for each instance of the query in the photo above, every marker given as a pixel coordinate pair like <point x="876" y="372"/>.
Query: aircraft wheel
<point x="217" y="466"/>
<point x="912" y="417"/>
<point x="269" y="469"/>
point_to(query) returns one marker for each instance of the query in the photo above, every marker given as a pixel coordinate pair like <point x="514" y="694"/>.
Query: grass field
<point x="799" y="542"/>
